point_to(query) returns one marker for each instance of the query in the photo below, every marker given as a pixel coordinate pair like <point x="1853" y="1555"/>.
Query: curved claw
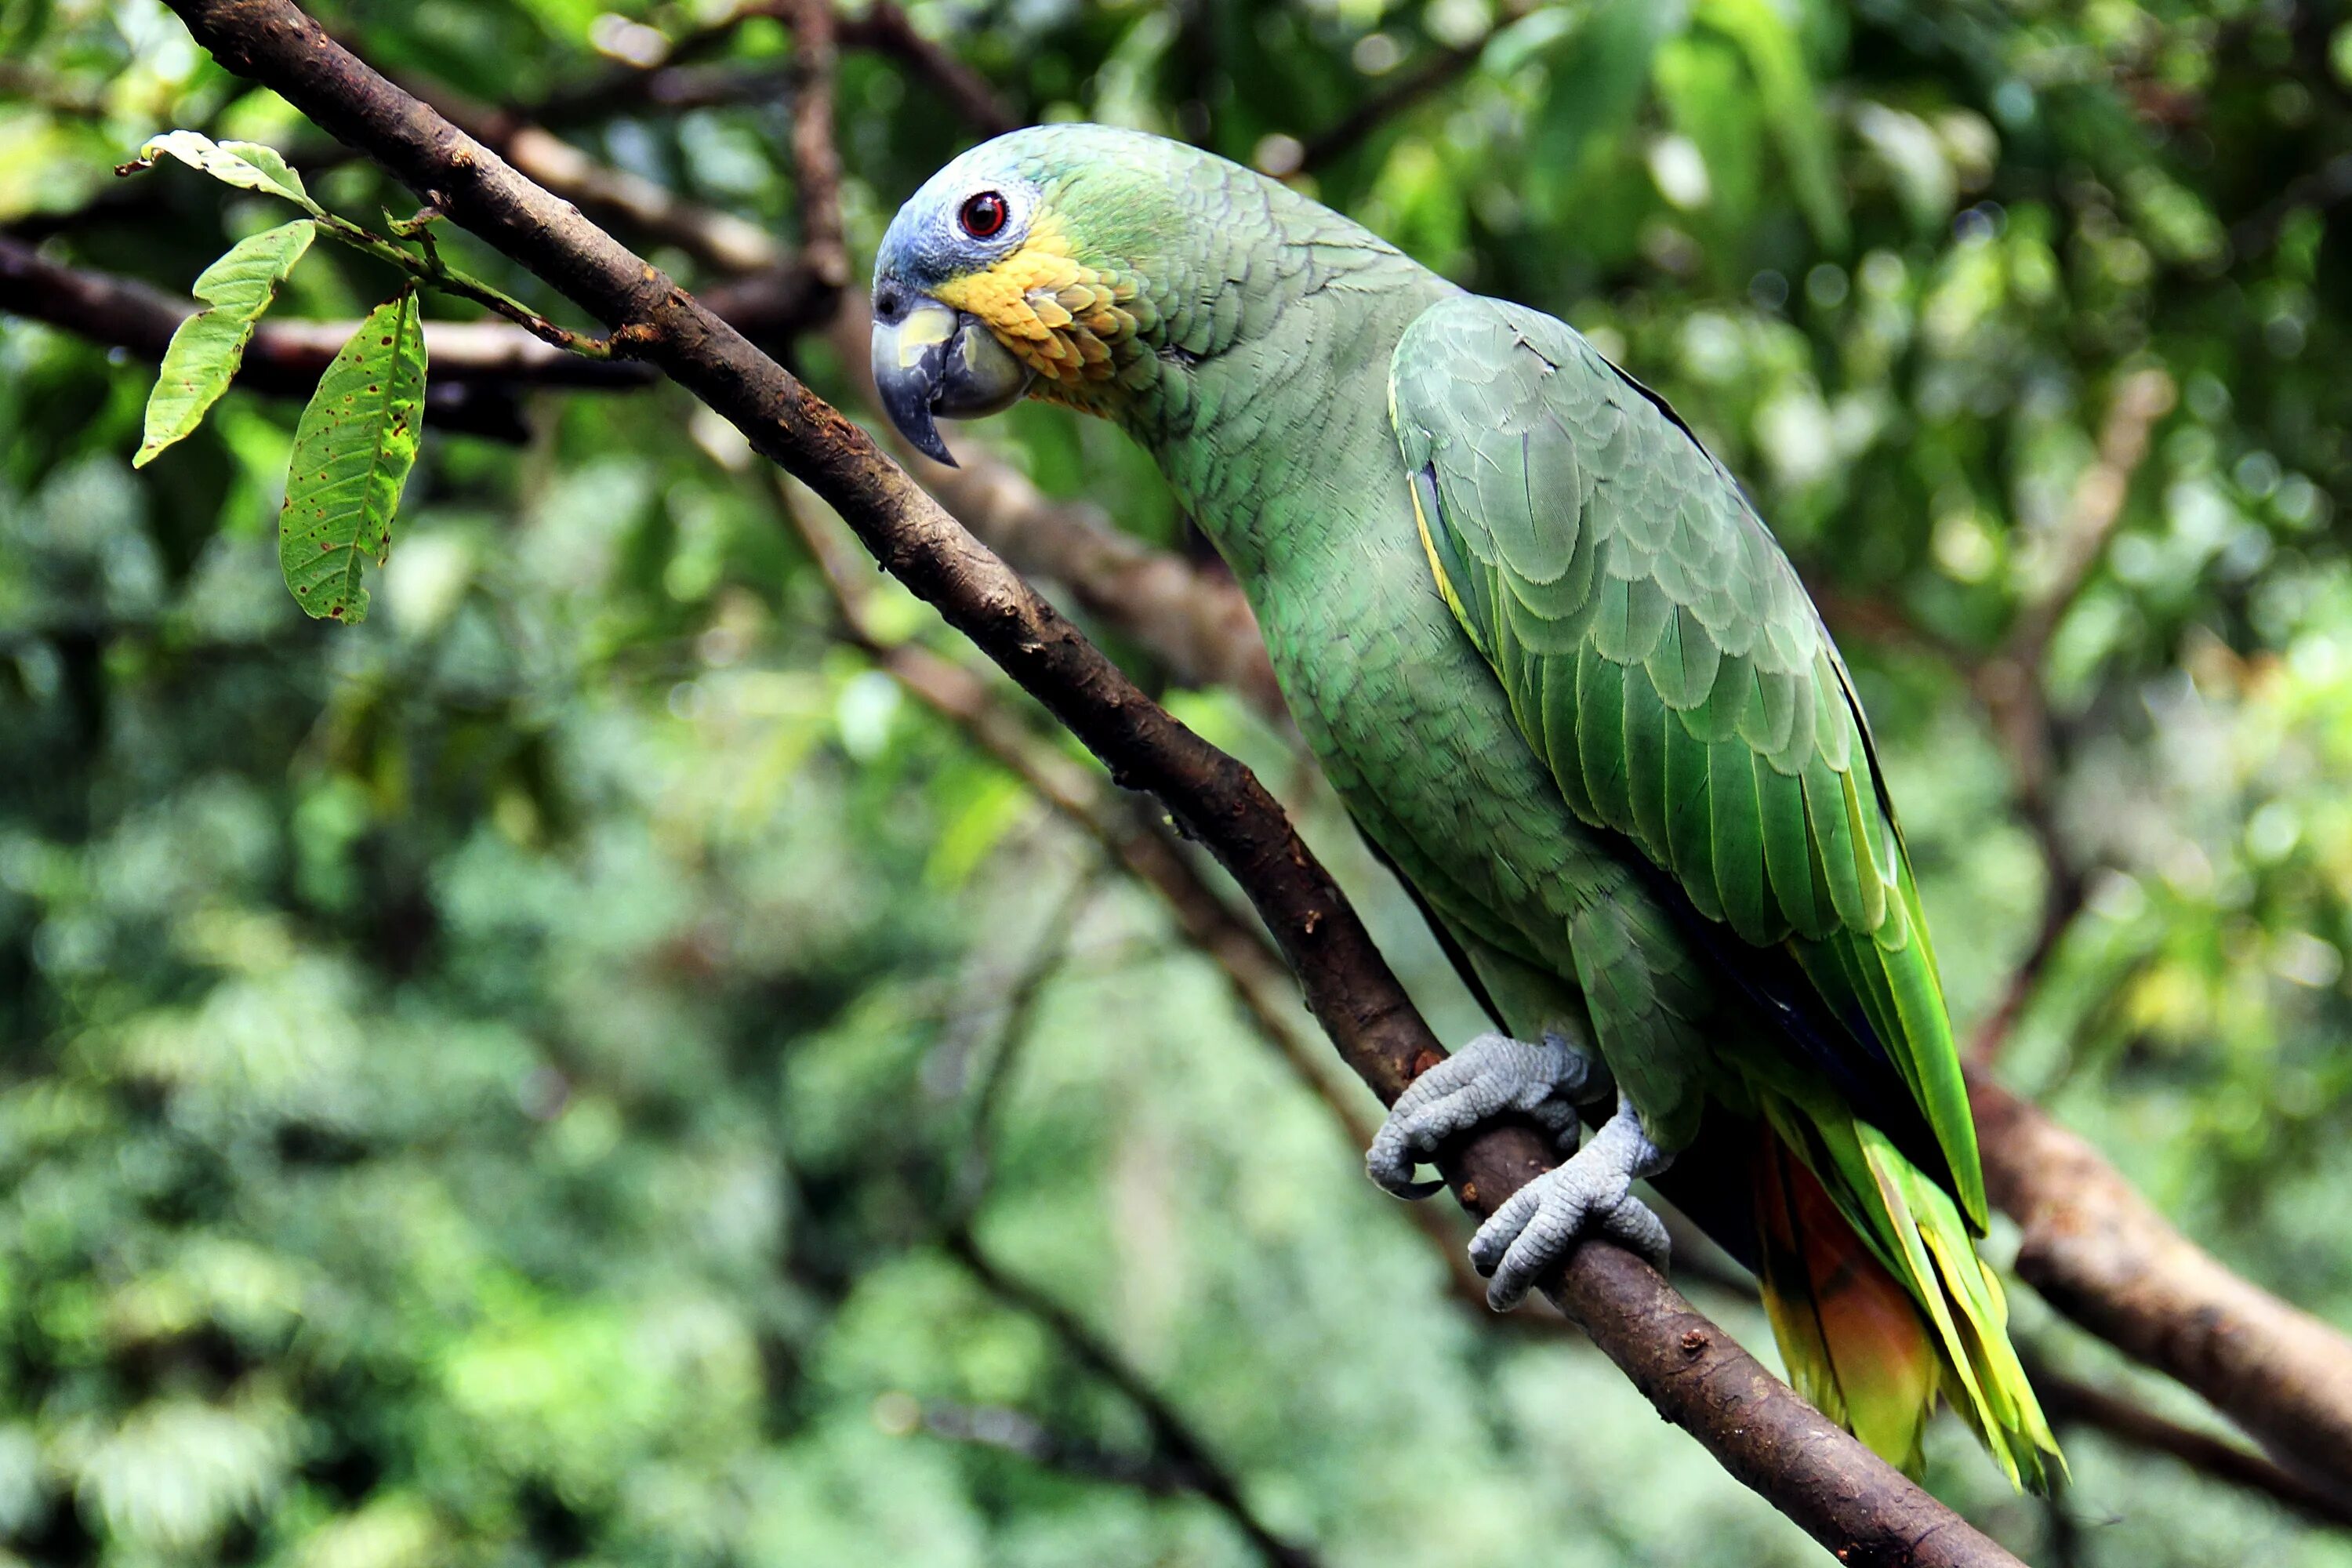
<point x="1491" y="1075"/>
<point x="1538" y="1224"/>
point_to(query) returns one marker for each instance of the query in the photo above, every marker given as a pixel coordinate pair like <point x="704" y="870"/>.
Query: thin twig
<point x="887" y="28"/>
<point x="426" y="266"/>
<point x="2322" y="190"/>
<point x="1025" y="1437"/>
<point x="1441" y="70"/>
<point x="2012" y="683"/>
<point x="1172" y="1436"/>
<point x="816" y="161"/>
<point x="674" y="82"/>
<point x="1018" y="1021"/>
<point x="2141" y="398"/>
<point x="1343" y="135"/>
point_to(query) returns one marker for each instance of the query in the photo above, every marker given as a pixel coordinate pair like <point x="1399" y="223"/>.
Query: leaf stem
<point x="430" y="270"/>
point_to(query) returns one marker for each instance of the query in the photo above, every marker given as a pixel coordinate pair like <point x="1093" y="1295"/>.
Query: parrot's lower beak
<point x="931" y="360"/>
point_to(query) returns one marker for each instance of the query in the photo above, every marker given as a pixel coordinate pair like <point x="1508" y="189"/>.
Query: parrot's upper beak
<point x="930" y="360"/>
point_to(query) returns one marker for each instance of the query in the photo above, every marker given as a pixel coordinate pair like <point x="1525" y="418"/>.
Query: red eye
<point x="983" y="216"/>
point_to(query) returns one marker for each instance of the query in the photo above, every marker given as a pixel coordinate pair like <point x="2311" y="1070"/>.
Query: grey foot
<point x="1491" y="1075"/>
<point x="1592" y="1194"/>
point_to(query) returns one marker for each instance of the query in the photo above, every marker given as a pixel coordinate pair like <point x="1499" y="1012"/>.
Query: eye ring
<point x="983" y="216"/>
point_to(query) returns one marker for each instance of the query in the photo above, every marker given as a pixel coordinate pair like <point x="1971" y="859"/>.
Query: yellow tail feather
<point x="1873" y="1321"/>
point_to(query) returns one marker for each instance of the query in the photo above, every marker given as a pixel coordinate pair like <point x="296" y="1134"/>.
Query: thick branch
<point x="1853" y="1503"/>
<point x="2103" y="1256"/>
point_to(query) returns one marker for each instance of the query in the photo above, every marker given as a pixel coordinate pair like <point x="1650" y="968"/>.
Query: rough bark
<point x="2100" y="1253"/>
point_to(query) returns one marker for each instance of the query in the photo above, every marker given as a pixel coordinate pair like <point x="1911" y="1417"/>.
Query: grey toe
<point x="1592" y="1193"/>
<point x="1490" y="1077"/>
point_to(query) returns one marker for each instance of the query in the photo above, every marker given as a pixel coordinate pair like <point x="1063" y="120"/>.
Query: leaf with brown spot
<point x="352" y="451"/>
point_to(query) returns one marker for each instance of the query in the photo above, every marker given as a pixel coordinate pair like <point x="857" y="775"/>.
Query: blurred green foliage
<point x="489" y="1086"/>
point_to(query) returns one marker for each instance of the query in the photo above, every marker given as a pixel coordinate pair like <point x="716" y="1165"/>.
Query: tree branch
<point x="718" y="239"/>
<point x="2012" y="685"/>
<point x="1172" y="1438"/>
<point x="971" y="1177"/>
<point x="2099" y="1253"/>
<point x="2324" y="188"/>
<point x="673" y="82"/>
<point x="1852" y="1503"/>
<point x="887" y="28"/>
<point x="1345" y="134"/>
<point x="2071" y="1403"/>
<point x="476" y="366"/>
<point x="2008" y="683"/>
<point x="816" y="161"/>
<point x="285" y="357"/>
<point x="1433" y="75"/>
<point x="1025" y="1437"/>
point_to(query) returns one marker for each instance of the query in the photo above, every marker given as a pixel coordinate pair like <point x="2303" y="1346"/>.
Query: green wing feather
<point x="1662" y="656"/>
<point x="1660" y="653"/>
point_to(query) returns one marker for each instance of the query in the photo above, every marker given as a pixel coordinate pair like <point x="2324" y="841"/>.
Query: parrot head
<point x="1030" y="263"/>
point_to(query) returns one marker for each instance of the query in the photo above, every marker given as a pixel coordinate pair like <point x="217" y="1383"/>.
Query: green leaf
<point x="1790" y="106"/>
<point x="1598" y="85"/>
<point x="352" y="451"/>
<point x="248" y="165"/>
<point x="206" y="350"/>
<point x="1532" y="35"/>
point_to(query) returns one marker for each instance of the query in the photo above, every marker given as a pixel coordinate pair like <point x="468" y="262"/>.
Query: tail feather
<point x="1878" y="1300"/>
<point x="1853" y="1342"/>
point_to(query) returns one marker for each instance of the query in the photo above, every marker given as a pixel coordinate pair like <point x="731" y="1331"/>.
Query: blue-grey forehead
<point x="925" y="244"/>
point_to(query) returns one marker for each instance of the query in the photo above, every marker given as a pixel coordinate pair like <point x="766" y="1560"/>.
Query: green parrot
<point x="1571" y="689"/>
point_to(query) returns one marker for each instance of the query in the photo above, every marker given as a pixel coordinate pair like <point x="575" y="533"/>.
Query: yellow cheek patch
<point x="1065" y="320"/>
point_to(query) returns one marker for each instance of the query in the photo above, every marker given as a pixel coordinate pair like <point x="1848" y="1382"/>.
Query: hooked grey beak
<point x="930" y="360"/>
